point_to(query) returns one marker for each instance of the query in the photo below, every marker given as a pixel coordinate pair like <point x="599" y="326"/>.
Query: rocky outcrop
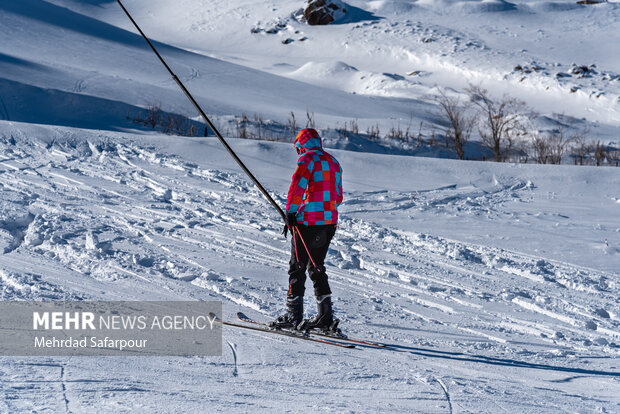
<point x="322" y="12"/>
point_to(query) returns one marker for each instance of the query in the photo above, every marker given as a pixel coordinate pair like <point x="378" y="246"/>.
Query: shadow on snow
<point x="481" y="359"/>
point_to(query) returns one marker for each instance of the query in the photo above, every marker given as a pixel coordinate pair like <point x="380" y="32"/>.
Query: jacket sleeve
<point x="339" y="195"/>
<point x="299" y="184"/>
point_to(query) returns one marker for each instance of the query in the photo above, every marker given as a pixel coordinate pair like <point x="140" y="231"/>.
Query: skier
<point x="311" y="217"/>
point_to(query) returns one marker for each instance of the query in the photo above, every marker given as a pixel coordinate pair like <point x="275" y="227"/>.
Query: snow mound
<point x="321" y="70"/>
<point x="471" y="6"/>
<point x="554" y="6"/>
<point x="488" y="6"/>
<point x="386" y="6"/>
<point x="340" y="75"/>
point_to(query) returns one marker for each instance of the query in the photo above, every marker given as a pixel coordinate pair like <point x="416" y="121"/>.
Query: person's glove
<point x="290" y="221"/>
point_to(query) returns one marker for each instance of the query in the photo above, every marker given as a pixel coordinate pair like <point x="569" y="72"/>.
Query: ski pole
<point x="206" y="118"/>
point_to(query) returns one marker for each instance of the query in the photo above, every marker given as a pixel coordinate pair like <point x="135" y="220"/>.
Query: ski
<point x="291" y="334"/>
<point x="243" y="317"/>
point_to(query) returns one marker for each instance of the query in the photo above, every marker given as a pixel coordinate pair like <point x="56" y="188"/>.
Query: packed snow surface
<point x="492" y="281"/>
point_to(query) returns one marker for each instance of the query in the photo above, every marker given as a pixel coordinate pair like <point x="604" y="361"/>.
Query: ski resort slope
<point x="382" y="65"/>
<point x="496" y="285"/>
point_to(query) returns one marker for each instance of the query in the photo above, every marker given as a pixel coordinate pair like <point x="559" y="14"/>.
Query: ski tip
<point x="242" y="315"/>
<point x="214" y="317"/>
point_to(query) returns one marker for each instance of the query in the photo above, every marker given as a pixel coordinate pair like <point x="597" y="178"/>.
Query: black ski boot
<point x="324" y="319"/>
<point x="294" y="314"/>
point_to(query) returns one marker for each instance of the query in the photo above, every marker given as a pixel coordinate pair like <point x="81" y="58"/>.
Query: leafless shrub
<point x="613" y="157"/>
<point x="600" y="153"/>
<point x="460" y="121"/>
<point x="398" y="133"/>
<point x="581" y="150"/>
<point x="168" y="123"/>
<point x="499" y="123"/>
<point x="138" y="118"/>
<point x="432" y="141"/>
<point x="540" y="149"/>
<point x="354" y="127"/>
<point x="153" y="114"/>
<point x="558" y="143"/>
<point x="343" y="132"/>
<point x="348" y="128"/>
<point x="373" y="132"/>
<point x="551" y="147"/>
<point x="520" y="150"/>
<point x="395" y="132"/>
<point x="310" y="120"/>
<point x="419" y="137"/>
<point x="292" y="125"/>
<point x="242" y="126"/>
<point x="258" y="120"/>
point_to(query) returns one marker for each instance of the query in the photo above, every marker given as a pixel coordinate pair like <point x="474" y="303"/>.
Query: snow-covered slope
<point x="493" y="281"/>
<point x="67" y="68"/>
<point x="380" y="67"/>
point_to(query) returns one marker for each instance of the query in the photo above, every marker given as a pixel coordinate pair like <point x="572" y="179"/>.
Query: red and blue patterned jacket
<point x="316" y="189"/>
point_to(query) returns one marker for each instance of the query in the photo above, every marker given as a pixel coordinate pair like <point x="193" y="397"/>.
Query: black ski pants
<point x="317" y="239"/>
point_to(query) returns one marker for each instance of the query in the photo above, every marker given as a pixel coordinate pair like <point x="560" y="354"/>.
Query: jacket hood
<point x="308" y="139"/>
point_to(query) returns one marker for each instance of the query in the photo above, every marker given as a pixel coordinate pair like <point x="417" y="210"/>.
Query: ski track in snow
<point x="122" y="214"/>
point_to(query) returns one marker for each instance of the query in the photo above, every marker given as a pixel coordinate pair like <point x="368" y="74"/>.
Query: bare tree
<point x="520" y="151"/>
<point x="460" y="121"/>
<point x="540" y="149"/>
<point x="557" y="144"/>
<point x="613" y="157"/>
<point x="499" y="122"/>
<point x="581" y="150"/>
<point x="550" y="147"/>
<point x="560" y="139"/>
<point x="242" y="126"/>
<point x="600" y="153"/>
